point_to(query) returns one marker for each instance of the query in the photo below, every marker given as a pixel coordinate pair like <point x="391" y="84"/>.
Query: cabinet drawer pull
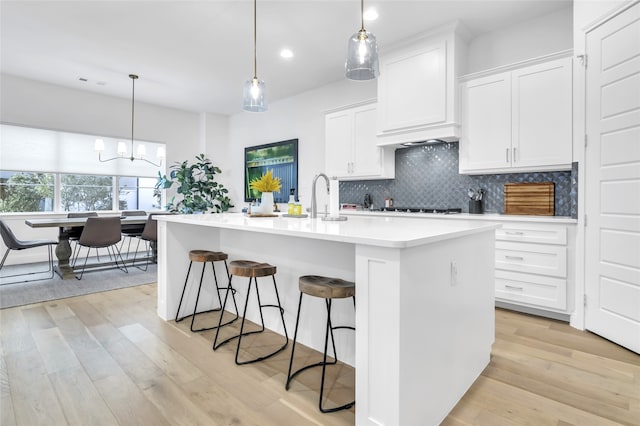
<point x="507" y="155"/>
<point x="514" y="155"/>
<point x="513" y="287"/>
<point x="514" y="232"/>
<point x="514" y="257"/>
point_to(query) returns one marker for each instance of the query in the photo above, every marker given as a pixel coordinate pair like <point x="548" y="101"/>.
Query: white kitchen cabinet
<point x="518" y="120"/>
<point x="351" y="146"/>
<point x="533" y="265"/>
<point x="417" y="90"/>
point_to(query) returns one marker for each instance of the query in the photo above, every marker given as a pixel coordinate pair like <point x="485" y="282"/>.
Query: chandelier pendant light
<point x="253" y="94"/>
<point x="122" y="147"/>
<point x="362" y="53"/>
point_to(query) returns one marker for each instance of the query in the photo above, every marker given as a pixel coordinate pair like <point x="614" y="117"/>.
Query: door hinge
<point x="583" y="60"/>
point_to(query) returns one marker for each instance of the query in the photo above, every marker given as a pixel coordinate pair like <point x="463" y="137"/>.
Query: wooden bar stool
<point x="252" y="270"/>
<point x="204" y="256"/>
<point x="328" y="289"/>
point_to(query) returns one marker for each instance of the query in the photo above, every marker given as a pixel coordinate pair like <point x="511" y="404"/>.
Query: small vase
<point x="266" y="203"/>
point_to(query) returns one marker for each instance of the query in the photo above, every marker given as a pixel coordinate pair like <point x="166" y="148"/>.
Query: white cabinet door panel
<point x="338" y="136"/>
<point x="542" y="107"/>
<point x="366" y="156"/>
<point x="486" y="114"/>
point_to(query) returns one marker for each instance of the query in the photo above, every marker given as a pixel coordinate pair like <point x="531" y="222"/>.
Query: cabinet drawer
<point x="532" y="258"/>
<point x="533" y="234"/>
<point x="531" y="289"/>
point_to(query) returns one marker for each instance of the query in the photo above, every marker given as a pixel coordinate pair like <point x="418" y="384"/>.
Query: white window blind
<point x="29" y="149"/>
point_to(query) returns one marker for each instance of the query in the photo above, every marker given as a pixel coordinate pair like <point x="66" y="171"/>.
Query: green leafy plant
<point x="197" y="186"/>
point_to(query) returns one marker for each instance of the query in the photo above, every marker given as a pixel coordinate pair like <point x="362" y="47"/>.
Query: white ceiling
<point x="196" y="55"/>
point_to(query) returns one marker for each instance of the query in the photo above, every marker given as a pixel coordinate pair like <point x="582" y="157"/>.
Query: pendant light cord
<point x="133" y="98"/>
<point x="362" y="15"/>
<point x="255" y="42"/>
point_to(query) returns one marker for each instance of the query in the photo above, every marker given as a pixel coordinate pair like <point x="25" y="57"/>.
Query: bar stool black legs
<point x="252" y="270"/>
<point x="205" y="256"/>
<point x="327" y="288"/>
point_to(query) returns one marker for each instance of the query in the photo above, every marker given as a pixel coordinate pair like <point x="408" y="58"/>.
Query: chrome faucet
<point x="314" y="205"/>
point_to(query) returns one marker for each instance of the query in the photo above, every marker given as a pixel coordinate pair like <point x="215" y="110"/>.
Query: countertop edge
<point x="467" y="216"/>
<point x="349" y="239"/>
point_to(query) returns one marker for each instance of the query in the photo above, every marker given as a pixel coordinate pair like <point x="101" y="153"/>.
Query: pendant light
<point x="253" y="96"/>
<point x="362" y="54"/>
<point x="122" y="147"/>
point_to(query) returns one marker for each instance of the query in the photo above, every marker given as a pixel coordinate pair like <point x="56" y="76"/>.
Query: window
<point x="86" y="193"/>
<point x="138" y="194"/>
<point x="51" y="171"/>
<point x="26" y="192"/>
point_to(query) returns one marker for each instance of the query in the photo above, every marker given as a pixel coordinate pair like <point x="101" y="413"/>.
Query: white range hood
<point x="418" y="87"/>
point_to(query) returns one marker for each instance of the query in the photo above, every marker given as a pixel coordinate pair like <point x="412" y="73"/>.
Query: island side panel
<point x="447" y="324"/>
<point x="423" y="339"/>
<point x="175" y="240"/>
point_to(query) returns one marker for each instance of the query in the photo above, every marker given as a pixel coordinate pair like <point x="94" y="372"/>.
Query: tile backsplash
<point x="427" y="176"/>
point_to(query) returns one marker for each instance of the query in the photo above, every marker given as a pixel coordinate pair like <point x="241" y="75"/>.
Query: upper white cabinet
<point x="417" y="89"/>
<point x="351" y="149"/>
<point x="518" y="120"/>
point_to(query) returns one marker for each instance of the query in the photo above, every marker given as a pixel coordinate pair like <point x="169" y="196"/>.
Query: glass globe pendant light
<point x="362" y="54"/>
<point x="253" y="94"/>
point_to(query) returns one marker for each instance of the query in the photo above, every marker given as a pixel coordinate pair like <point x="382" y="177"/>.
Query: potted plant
<point x="196" y="183"/>
<point x="266" y="185"/>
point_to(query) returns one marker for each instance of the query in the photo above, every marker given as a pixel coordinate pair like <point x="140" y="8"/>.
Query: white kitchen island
<point x="424" y="291"/>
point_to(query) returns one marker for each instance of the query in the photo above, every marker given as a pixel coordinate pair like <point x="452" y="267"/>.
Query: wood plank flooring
<point x="107" y="359"/>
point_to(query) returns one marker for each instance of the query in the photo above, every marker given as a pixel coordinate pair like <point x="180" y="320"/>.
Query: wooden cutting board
<point x="529" y="198"/>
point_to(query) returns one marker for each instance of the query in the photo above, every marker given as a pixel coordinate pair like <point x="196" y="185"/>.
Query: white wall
<point x="300" y="117"/>
<point x="525" y="40"/>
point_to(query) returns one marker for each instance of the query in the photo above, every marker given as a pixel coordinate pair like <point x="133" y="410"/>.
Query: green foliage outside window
<point x="26" y="192"/>
<point x="86" y="193"/>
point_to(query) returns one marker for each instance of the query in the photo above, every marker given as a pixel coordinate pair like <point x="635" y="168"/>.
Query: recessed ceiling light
<point x="286" y="53"/>
<point x="370" y="15"/>
<point x="83" y="79"/>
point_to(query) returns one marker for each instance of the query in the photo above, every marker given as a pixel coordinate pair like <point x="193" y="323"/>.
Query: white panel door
<point x="612" y="199"/>
<point x="542" y="99"/>
<point x="486" y="132"/>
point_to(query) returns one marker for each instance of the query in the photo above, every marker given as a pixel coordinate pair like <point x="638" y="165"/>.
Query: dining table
<point x="63" y="249"/>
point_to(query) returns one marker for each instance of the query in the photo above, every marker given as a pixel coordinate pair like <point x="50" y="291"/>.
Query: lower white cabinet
<point x="351" y="150"/>
<point x="533" y="265"/>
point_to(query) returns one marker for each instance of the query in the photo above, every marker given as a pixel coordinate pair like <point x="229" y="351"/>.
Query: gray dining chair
<point x="102" y="232"/>
<point x="74" y="232"/>
<point x="13" y="243"/>
<point x="150" y="237"/>
<point x="131" y="231"/>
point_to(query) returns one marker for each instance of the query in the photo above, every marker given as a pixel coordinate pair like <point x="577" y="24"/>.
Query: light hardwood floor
<point x="107" y="359"/>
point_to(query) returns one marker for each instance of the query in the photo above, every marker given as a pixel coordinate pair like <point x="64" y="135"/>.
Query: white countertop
<point x="373" y="229"/>
<point x="466" y="216"/>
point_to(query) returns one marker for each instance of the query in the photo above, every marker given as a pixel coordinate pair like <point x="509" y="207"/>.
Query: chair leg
<point x="49" y="269"/>
<point x="195" y="309"/>
<point x="242" y="333"/>
<point x="293" y="346"/>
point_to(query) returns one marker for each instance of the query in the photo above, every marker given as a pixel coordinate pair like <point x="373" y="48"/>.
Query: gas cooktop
<point x="420" y="210"/>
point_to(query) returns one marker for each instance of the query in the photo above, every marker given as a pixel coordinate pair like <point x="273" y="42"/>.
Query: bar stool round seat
<point x="252" y="270"/>
<point x="328" y="289"/>
<point x="325" y="287"/>
<point x="204" y="257"/>
<point x="207" y="256"/>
